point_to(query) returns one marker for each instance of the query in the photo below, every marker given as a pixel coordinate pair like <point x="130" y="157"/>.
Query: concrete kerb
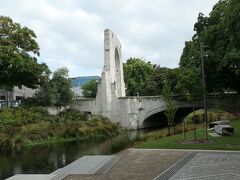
<point x="188" y="150"/>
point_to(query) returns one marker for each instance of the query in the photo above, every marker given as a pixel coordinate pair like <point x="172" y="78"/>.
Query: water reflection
<point x="44" y="159"/>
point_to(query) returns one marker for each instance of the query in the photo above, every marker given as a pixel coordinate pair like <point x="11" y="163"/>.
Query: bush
<point x="33" y="125"/>
<point x="120" y="142"/>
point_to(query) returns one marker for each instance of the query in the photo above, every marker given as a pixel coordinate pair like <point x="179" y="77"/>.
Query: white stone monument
<point x="112" y="85"/>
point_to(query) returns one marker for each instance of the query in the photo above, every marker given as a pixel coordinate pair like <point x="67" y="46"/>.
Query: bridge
<point x="139" y="111"/>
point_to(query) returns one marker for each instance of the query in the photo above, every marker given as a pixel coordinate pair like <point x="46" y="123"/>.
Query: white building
<point x="17" y="93"/>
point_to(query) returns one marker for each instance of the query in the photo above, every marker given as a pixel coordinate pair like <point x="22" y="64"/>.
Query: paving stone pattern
<point x="206" y="166"/>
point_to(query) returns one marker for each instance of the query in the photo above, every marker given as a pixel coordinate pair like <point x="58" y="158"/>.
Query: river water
<point x="45" y="159"/>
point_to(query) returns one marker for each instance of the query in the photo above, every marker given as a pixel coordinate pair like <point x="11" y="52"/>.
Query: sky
<point x="70" y="32"/>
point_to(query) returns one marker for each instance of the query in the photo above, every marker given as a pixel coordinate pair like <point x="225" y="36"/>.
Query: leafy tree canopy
<point x="220" y="35"/>
<point x="137" y="73"/>
<point x="57" y="91"/>
<point x="18" y="56"/>
<point x="158" y="78"/>
<point x="190" y="84"/>
<point x="90" y="89"/>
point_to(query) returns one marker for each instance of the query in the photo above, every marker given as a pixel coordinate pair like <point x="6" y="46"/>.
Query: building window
<point x="2" y="97"/>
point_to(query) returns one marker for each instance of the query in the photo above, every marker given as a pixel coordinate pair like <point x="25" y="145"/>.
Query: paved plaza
<point x="171" y="164"/>
<point x="149" y="164"/>
<point x="208" y="166"/>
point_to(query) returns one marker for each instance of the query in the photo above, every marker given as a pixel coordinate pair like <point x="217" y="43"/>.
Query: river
<point x="45" y="159"/>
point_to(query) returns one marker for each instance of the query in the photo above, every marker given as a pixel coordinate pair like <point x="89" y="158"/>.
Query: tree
<point x="220" y="35"/>
<point x="137" y="73"/>
<point x="170" y="107"/>
<point x="90" y="89"/>
<point x="190" y="85"/>
<point x="18" y="56"/>
<point x="155" y="84"/>
<point x="57" y="91"/>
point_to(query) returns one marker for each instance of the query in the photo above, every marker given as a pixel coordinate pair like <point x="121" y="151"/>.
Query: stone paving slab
<point x="85" y="165"/>
<point x="208" y="166"/>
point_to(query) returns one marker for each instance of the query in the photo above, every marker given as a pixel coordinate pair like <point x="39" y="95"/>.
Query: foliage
<point x="220" y="36"/>
<point x="22" y="127"/>
<point x="155" y="84"/>
<point x="18" y="56"/>
<point x="20" y="116"/>
<point x="161" y="133"/>
<point x="170" y="106"/>
<point x="90" y="89"/>
<point x="57" y="91"/>
<point x="214" y="143"/>
<point x="190" y="84"/>
<point x="137" y="73"/>
<point x="213" y="115"/>
<point x="120" y="142"/>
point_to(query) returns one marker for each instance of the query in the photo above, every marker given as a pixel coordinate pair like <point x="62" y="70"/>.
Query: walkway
<point x="144" y="164"/>
<point x="137" y="164"/>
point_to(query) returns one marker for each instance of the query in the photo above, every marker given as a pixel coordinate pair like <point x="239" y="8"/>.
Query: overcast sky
<point x="70" y="32"/>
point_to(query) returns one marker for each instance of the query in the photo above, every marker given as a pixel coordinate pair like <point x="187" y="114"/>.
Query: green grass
<point x="215" y="143"/>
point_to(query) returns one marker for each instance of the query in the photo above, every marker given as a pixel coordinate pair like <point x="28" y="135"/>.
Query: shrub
<point x="33" y="125"/>
<point x="120" y="142"/>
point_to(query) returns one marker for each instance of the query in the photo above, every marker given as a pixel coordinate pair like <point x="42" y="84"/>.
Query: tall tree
<point x="155" y="84"/>
<point x="170" y="106"/>
<point x="219" y="33"/>
<point x="18" y="56"/>
<point x="57" y="91"/>
<point x="190" y="84"/>
<point x="137" y="73"/>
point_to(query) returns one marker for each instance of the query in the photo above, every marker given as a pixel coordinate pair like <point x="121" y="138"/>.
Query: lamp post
<point x="204" y="91"/>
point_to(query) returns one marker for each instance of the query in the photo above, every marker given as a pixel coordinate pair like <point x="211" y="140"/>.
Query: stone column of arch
<point x="112" y="84"/>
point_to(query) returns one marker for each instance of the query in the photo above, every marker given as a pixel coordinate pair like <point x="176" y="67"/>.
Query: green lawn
<point x="215" y="143"/>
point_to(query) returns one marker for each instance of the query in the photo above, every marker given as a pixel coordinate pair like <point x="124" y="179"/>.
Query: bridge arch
<point x="156" y="117"/>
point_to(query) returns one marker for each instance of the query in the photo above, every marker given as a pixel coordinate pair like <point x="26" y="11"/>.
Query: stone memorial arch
<point x="131" y="112"/>
<point x="112" y="85"/>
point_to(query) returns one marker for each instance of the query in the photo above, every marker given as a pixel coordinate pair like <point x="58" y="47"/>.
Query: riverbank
<point x="23" y="127"/>
<point x="177" y="142"/>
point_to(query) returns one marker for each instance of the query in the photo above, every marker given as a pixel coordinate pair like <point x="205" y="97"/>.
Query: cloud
<point x="70" y="33"/>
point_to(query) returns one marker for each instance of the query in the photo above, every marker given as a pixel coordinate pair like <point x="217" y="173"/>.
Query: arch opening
<point x="117" y="72"/>
<point x="159" y="120"/>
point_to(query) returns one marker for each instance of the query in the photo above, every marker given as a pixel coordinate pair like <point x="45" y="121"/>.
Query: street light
<point x="204" y="90"/>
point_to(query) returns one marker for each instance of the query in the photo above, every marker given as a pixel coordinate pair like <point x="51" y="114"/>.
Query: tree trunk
<point x="169" y="132"/>
<point x="194" y="125"/>
<point x="184" y="134"/>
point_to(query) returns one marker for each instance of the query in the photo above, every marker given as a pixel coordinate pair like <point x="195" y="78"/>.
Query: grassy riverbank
<point x="21" y="127"/>
<point x="214" y="143"/>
